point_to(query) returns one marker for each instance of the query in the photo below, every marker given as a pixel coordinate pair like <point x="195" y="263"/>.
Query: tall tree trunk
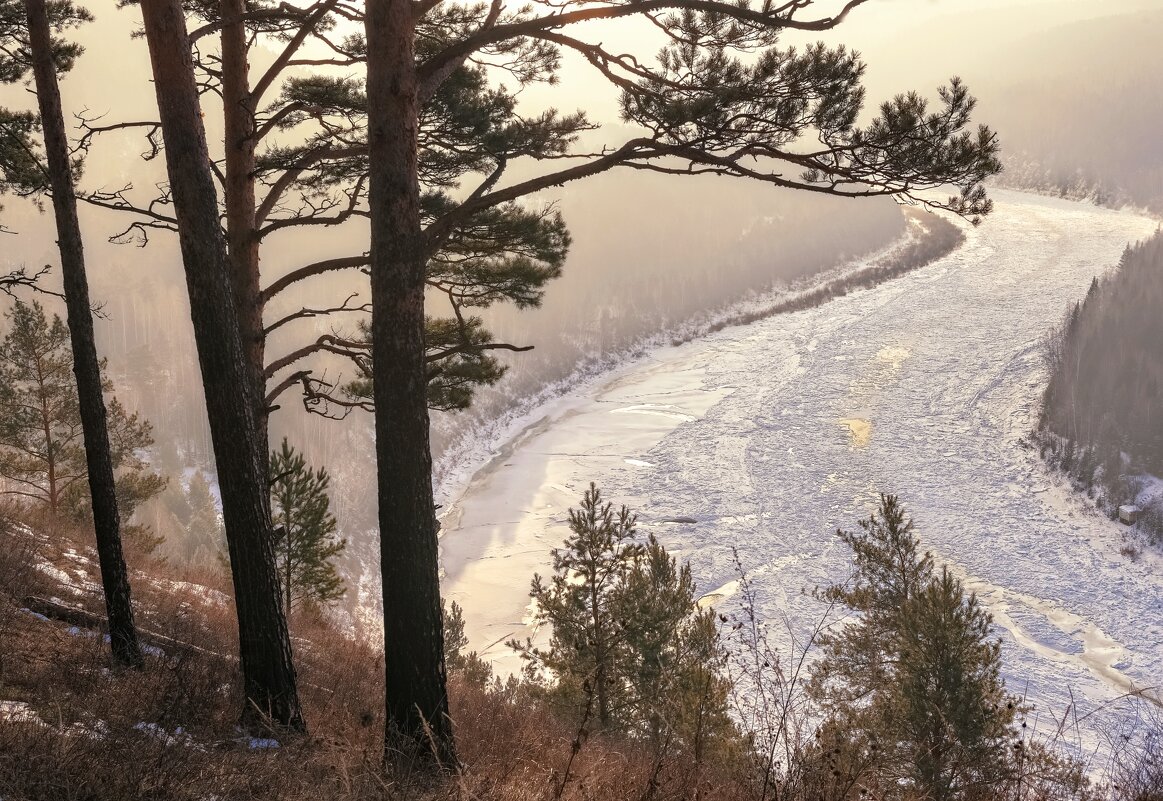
<point x="241" y="237"/>
<point x="288" y="567"/>
<point x="417" y="725"/>
<point x="86" y="366"/>
<point x="50" y="451"/>
<point x="264" y="643"/>
<point x="600" y="655"/>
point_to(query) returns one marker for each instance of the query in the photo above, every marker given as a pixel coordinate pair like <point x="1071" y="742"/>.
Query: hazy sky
<point x="888" y="32"/>
<point x="917" y="39"/>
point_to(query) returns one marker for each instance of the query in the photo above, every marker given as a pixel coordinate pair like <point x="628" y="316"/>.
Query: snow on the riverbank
<point x="770" y="436"/>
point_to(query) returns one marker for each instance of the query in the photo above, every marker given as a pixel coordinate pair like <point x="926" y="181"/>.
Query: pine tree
<point x="474" y="670"/>
<point x="40" y="428"/>
<point x="233" y="400"/>
<point x="949" y="708"/>
<point x="579" y="602"/>
<point x="42" y="454"/>
<point x="205" y="542"/>
<point x="914" y="702"/>
<point x="672" y="656"/>
<point x="305" y="531"/>
<point x="629" y="642"/>
<point x="130" y="436"/>
<point x="890" y="570"/>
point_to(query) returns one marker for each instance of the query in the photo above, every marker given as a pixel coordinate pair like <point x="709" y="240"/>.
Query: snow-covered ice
<point x="772" y="435"/>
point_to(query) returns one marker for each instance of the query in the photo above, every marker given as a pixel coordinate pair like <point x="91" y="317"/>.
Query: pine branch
<point x="305" y="313"/>
<point x="783" y="17"/>
<point x="312" y="270"/>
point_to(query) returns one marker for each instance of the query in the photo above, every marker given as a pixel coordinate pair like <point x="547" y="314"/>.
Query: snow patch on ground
<point x="207" y="594"/>
<point x="153" y="730"/>
<point x="19" y="712"/>
<point x="56" y="574"/>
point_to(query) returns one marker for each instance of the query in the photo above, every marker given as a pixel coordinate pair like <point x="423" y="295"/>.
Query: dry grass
<point x="168" y="732"/>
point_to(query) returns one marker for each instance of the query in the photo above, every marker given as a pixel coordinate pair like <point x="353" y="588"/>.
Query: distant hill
<point x="1078" y="104"/>
<point x="1081" y="106"/>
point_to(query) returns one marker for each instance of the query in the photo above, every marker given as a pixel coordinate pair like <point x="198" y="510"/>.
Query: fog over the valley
<point x="1072" y="88"/>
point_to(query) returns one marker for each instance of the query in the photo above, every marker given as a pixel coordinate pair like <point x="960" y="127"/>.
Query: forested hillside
<point x="1105" y="395"/>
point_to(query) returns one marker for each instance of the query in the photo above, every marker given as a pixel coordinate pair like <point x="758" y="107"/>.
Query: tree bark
<point x="86" y="366"/>
<point x="418" y="727"/>
<point x="239" y="190"/>
<point x="264" y="642"/>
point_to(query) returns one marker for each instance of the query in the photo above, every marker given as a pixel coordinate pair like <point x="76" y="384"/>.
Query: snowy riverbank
<point x="773" y="434"/>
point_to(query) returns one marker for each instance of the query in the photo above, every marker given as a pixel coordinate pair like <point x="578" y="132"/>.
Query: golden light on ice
<point x="859" y="431"/>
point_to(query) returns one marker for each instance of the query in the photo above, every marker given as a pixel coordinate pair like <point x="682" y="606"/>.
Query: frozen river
<point x="771" y="435"/>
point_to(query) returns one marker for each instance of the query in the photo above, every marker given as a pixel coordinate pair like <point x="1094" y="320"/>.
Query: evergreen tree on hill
<point x="890" y="571"/>
<point x="914" y="702"/>
<point x="629" y="648"/>
<point x="587" y="647"/>
<point x="205" y="542"/>
<point x="475" y="671"/>
<point x="306" y="542"/>
<point x="950" y="708"/>
<point x="42" y="454"/>
<point x="673" y="656"/>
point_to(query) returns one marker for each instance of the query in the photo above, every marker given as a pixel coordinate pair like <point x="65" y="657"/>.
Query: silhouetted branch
<point x="305" y="312"/>
<point x="91" y="131"/>
<point x="782" y="17"/>
<point x="311" y="270"/>
<point x="328" y="343"/>
<point x="21" y="278"/>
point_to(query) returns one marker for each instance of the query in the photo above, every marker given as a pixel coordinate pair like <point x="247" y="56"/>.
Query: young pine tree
<point x="579" y="602"/>
<point x="40" y="421"/>
<point x="475" y="671"/>
<point x="914" y="703"/>
<point x="42" y="454"/>
<point x="205" y="541"/>
<point x="629" y="642"/>
<point x="675" y="692"/>
<point x="949" y="707"/>
<point x="890" y="570"/>
<point x="306" y="542"/>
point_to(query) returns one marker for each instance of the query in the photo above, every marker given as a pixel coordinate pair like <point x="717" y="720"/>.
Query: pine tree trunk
<point x="418" y="727"/>
<point x="50" y="451"/>
<point x="264" y="643"/>
<point x="600" y="656"/>
<point x="86" y="366"/>
<point x="241" y="236"/>
<point x="288" y="567"/>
